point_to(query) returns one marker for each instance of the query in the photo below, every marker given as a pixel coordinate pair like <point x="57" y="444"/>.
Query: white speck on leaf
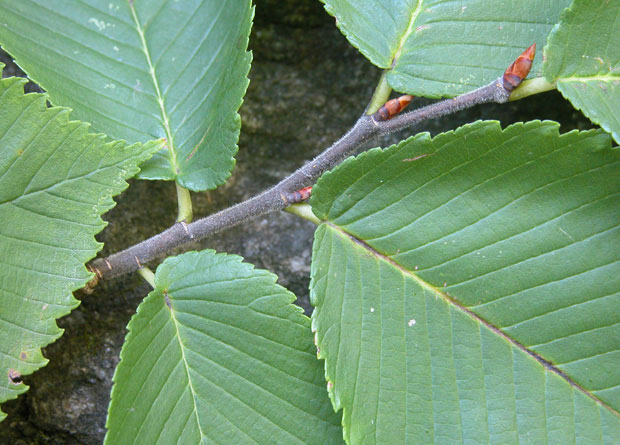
<point x="372" y="309"/>
<point x="115" y="48"/>
<point x="100" y="24"/>
<point x="411" y="322"/>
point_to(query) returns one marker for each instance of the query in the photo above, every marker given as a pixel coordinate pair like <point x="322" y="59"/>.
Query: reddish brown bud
<point x="519" y="69"/>
<point x="392" y="107"/>
<point x="299" y="195"/>
<point x="305" y="193"/>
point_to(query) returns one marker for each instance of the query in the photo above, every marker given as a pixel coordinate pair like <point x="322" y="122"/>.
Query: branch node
<point x="186" y="228"/>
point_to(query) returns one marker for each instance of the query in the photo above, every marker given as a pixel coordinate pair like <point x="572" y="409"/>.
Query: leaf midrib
<point x="186" y="368"/>
<point x="407" y="33"/>
<point x="159" y="96"/>
<point x="454" y="303"/>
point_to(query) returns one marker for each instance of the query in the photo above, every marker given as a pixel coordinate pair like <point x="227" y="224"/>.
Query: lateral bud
<point x="392" y="107"/>
<point x="299" y="195"/>
<point x="519" y="69"/>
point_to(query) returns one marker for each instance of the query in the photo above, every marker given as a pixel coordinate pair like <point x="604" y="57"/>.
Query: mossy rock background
<point x="307" y="87"/>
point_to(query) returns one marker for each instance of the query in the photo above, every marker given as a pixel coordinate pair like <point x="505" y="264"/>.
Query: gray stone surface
<point x="307" y="87"/>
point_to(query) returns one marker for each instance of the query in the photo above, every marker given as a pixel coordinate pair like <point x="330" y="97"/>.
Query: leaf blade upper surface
<point x="218" y="353"/>
<point x="56" y="180"/>
<point x="143" y="70"/>
<point x="496" y="240"/>
<point x="435" y="48"/>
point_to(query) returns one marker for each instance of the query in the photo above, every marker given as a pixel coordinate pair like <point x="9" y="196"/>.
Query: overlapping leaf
<point x="471" y="294"/>
<point x="435" y="48"/>
<point x="56" y="180"/>
<point x="140" y="70"/>
<point x="217" y="353"/>
<point x="583" y="58"/>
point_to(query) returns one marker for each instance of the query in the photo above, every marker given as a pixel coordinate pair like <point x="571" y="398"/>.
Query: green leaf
<point x="583" y="58"/>
<point x="56" y="180"/>
<point x="472" y="294"/>
<point x="217" y="353"/>
<point x="435" y="48"/>
<point x="141" y="70"/>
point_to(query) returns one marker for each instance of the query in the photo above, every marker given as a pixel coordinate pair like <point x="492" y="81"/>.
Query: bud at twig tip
<point x="519" y="69"/>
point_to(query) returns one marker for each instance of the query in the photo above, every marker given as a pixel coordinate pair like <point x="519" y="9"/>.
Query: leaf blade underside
<point x="497" y="240"/>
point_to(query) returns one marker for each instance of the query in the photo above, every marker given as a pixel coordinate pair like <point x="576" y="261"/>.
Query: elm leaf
<point x="218" y="354"/>
<point x="436" y="48"/>
<point x="56" y="180"/>
<point x="466" y="287"/>
<point x="583" y="59"/>
<point x="141" y="70"/>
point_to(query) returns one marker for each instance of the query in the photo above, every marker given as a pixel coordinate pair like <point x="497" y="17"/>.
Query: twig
<point x="279" y="196"/>
<point x="271" y="200"/>
<point x="493" y="92"/>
